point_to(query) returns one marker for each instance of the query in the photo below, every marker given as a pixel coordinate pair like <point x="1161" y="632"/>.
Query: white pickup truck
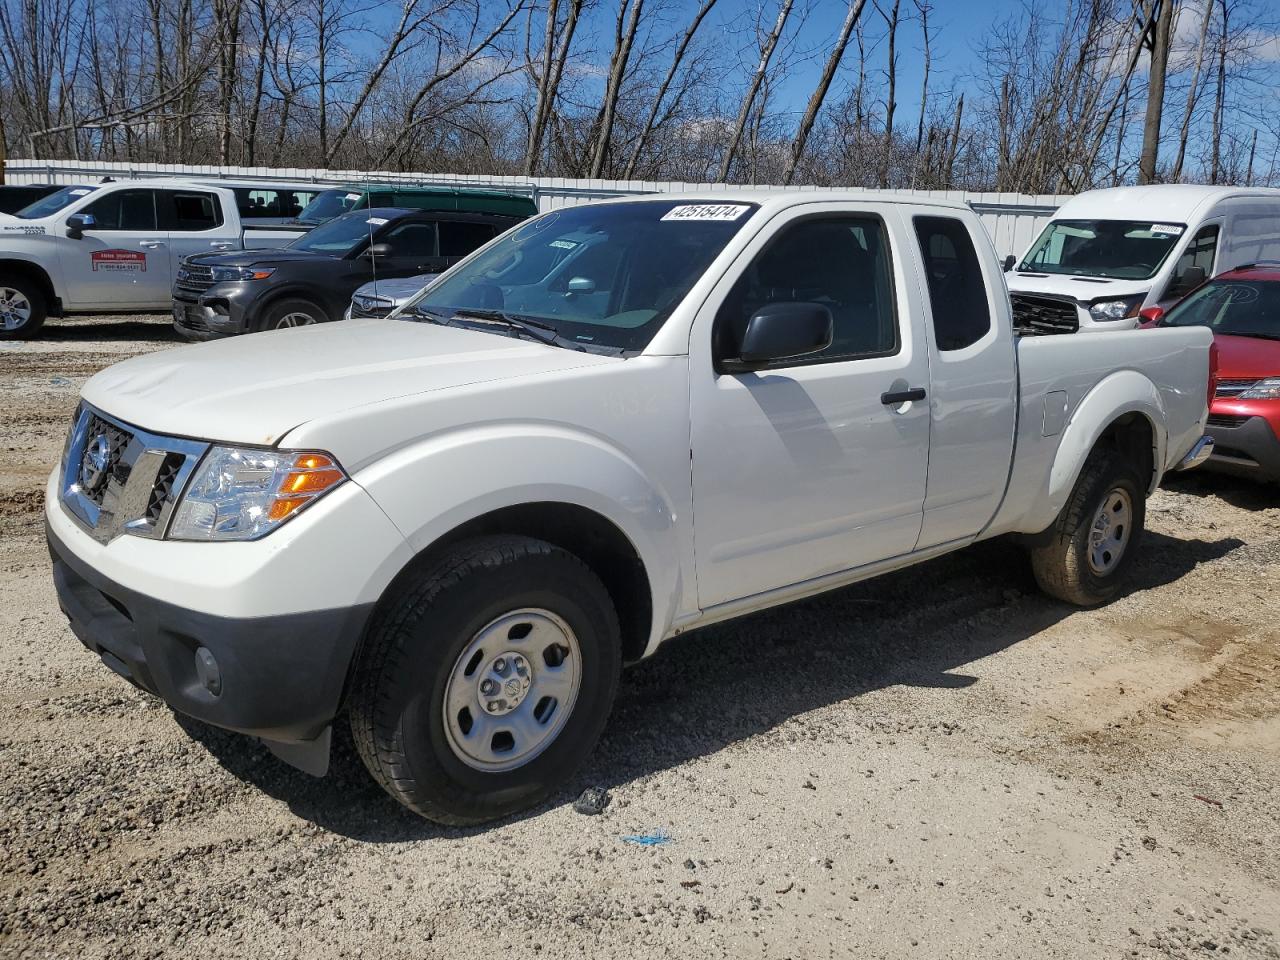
<point x="612" y="424"/>
<point x="114" y="247"/>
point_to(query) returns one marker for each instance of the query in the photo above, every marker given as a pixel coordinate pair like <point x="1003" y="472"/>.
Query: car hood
<point x="1083" y="289"/>
<point x="1247" y="358"/>
<point x="248" y="258"/>
<point x="397" y="290"/>
<point x="254" y="389"/>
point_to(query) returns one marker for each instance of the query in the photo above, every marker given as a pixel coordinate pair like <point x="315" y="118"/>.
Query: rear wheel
<point x="1083" y="557"/>
<point x="486" y="682"/>
<point x="285" y="314"/>
<point x="23" y="308"/>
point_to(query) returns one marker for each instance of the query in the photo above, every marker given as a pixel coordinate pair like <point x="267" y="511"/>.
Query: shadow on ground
<point x="1237" y="491"/>
<point x="157" y="329"/>
<point x="737" y="680"/>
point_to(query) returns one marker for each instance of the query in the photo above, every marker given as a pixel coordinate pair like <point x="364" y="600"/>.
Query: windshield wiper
<point x="542" y="332"/>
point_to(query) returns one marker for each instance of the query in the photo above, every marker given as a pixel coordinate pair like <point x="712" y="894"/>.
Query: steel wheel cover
<point x="512" y="690"/>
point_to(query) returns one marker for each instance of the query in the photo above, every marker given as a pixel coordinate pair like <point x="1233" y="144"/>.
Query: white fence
<point x="1013" y="219"/>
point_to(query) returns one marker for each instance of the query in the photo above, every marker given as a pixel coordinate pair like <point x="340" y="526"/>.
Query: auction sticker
<point x="377" y="221"/>
<point x="1170" y="228"/>
<point x="118" y="261"/>
<point x="706" y="211"/>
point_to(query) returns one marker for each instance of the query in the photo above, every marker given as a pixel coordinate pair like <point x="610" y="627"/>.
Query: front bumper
<point x="1244" y="446"/>
<point x="278" y="678"/>
<point x="220" y="311"/>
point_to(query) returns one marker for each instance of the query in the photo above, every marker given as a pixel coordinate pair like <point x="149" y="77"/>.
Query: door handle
<point x="151" y="244"/>
<point x="221" y="244"/>
<point x="895" y="397"/>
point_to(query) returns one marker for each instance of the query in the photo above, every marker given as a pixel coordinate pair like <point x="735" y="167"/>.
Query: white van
<point x="1108" y="254"/>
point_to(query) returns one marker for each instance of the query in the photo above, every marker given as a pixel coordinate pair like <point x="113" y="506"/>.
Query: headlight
<point x="243" y="494"/>
<point x="1261" y="390"/>
<point x="1115" y="309"/>
<point x="222" y="274"/>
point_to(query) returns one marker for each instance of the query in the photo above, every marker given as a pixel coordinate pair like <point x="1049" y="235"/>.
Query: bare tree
<point x="753" y="88"/>
<point x="1155" y="90"/>
<point x="624" y="39"/>
<point x="555" y="53"/>
<point x="891" y="104"/>
<point x="820" y="91"/>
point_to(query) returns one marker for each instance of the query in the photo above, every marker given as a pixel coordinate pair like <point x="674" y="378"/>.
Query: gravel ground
<point x="939" y="763"/>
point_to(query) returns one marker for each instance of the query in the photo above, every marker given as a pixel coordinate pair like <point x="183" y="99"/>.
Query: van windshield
<point x="1116" y="249"/>
<point x="330" y="204"/>
<point x="601" y="275"/>
<point x="48" y="206"/>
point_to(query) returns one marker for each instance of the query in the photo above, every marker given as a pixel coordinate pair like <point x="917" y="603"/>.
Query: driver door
<point x="810" y="467"/>
<point x="123" y="261"/>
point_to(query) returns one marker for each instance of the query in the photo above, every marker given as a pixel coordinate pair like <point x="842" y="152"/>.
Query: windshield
<point x="603" y="275"/>
<point x="47" y="206"/>
<point x="1241" y="308"/>
<point x="1118" y="249"/>
<point x="339" y="237"/>
<point x="330" y="204"/>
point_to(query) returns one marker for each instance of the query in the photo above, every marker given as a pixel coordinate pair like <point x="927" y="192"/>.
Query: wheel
<point x="1083" y="557"/>
<point x="284" y="314"/>
<point x="485" y="683"/>
<point x="23" y="308"/>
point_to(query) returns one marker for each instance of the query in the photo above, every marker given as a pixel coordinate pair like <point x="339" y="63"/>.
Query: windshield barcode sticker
<point x="377" y="221"/>
<point x="1170" y="228"/>
<point x="706" y="211"/>
<point x="562" y="244"/>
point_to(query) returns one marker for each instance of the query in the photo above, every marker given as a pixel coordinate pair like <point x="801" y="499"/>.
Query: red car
<point x="1242" y="308"/>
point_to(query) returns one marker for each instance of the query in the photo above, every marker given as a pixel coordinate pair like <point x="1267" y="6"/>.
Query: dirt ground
<point x="940" y="763"/>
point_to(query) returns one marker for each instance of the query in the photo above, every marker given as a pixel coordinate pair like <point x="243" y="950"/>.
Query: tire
<point x="23" y="308"/>
<point x="1067" y="563"/>
<point x="285" y="314"/>
<point x="443" y="637"/>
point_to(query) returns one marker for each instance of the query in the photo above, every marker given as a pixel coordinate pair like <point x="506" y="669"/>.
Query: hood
<point x="254" y="389"/>
<point x="248" y="258"/>
<point x="1081" y="289"/>
<point x="395" y="290"/>
<point x="1247" y="358"/>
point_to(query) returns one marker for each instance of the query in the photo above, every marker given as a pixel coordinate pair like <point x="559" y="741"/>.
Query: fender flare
<point x="436" y="485"/>
<point x="1120" y="393"/>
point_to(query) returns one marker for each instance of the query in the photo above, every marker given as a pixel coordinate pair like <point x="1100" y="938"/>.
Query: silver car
<point x="377" y="298"/>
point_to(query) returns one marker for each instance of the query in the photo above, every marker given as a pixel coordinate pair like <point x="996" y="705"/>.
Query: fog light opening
<point x="208" y="672"/>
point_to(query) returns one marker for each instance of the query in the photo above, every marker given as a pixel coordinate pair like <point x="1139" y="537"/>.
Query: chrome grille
<point x="117" y="479"/>
<point x="1034" y="315"/>
<point x="1233" y="388"/>
<point x="193" y="278"/>
<point x="370" y="307"/>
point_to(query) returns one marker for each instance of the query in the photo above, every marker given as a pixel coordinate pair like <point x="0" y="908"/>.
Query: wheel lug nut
<point x="500" y="665"/>
<point x="494" y="706"/>
<point x="488" y="687"/>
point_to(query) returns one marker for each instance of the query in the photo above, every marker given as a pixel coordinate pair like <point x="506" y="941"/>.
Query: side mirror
<point x="378" y="250"/>
<point x="1009" y="261"/>
<point x="582" y="285"/>
<point x="782" y="331"/>
<point x="77" y="223"/>
<point x="1150" y="316"/>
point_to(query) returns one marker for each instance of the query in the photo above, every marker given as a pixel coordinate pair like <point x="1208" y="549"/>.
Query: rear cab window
<point x="957" y="292"/>
<point x="188" y="211"/>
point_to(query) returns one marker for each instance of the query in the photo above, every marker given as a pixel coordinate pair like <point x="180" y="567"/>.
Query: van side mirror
<point x="782" y="331"/>
<point x="1150" y="316"/>
<point x="77" y="223"/>
<point x="1190" y="278"/>
<point x="1009" y="261"/>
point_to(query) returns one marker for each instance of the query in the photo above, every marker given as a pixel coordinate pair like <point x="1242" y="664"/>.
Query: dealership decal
<point x="23" y="229"/>
<point x="119" y="261"/>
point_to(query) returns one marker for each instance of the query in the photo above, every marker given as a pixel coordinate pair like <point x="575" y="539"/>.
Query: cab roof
<point x="776" y="199"/>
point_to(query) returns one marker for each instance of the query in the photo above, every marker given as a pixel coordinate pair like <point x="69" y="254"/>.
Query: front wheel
<point x="22" y="308"/>
<point x="1084" y="556"/>
<point x="285" y="314"/>
<point x="486" y="682"/>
